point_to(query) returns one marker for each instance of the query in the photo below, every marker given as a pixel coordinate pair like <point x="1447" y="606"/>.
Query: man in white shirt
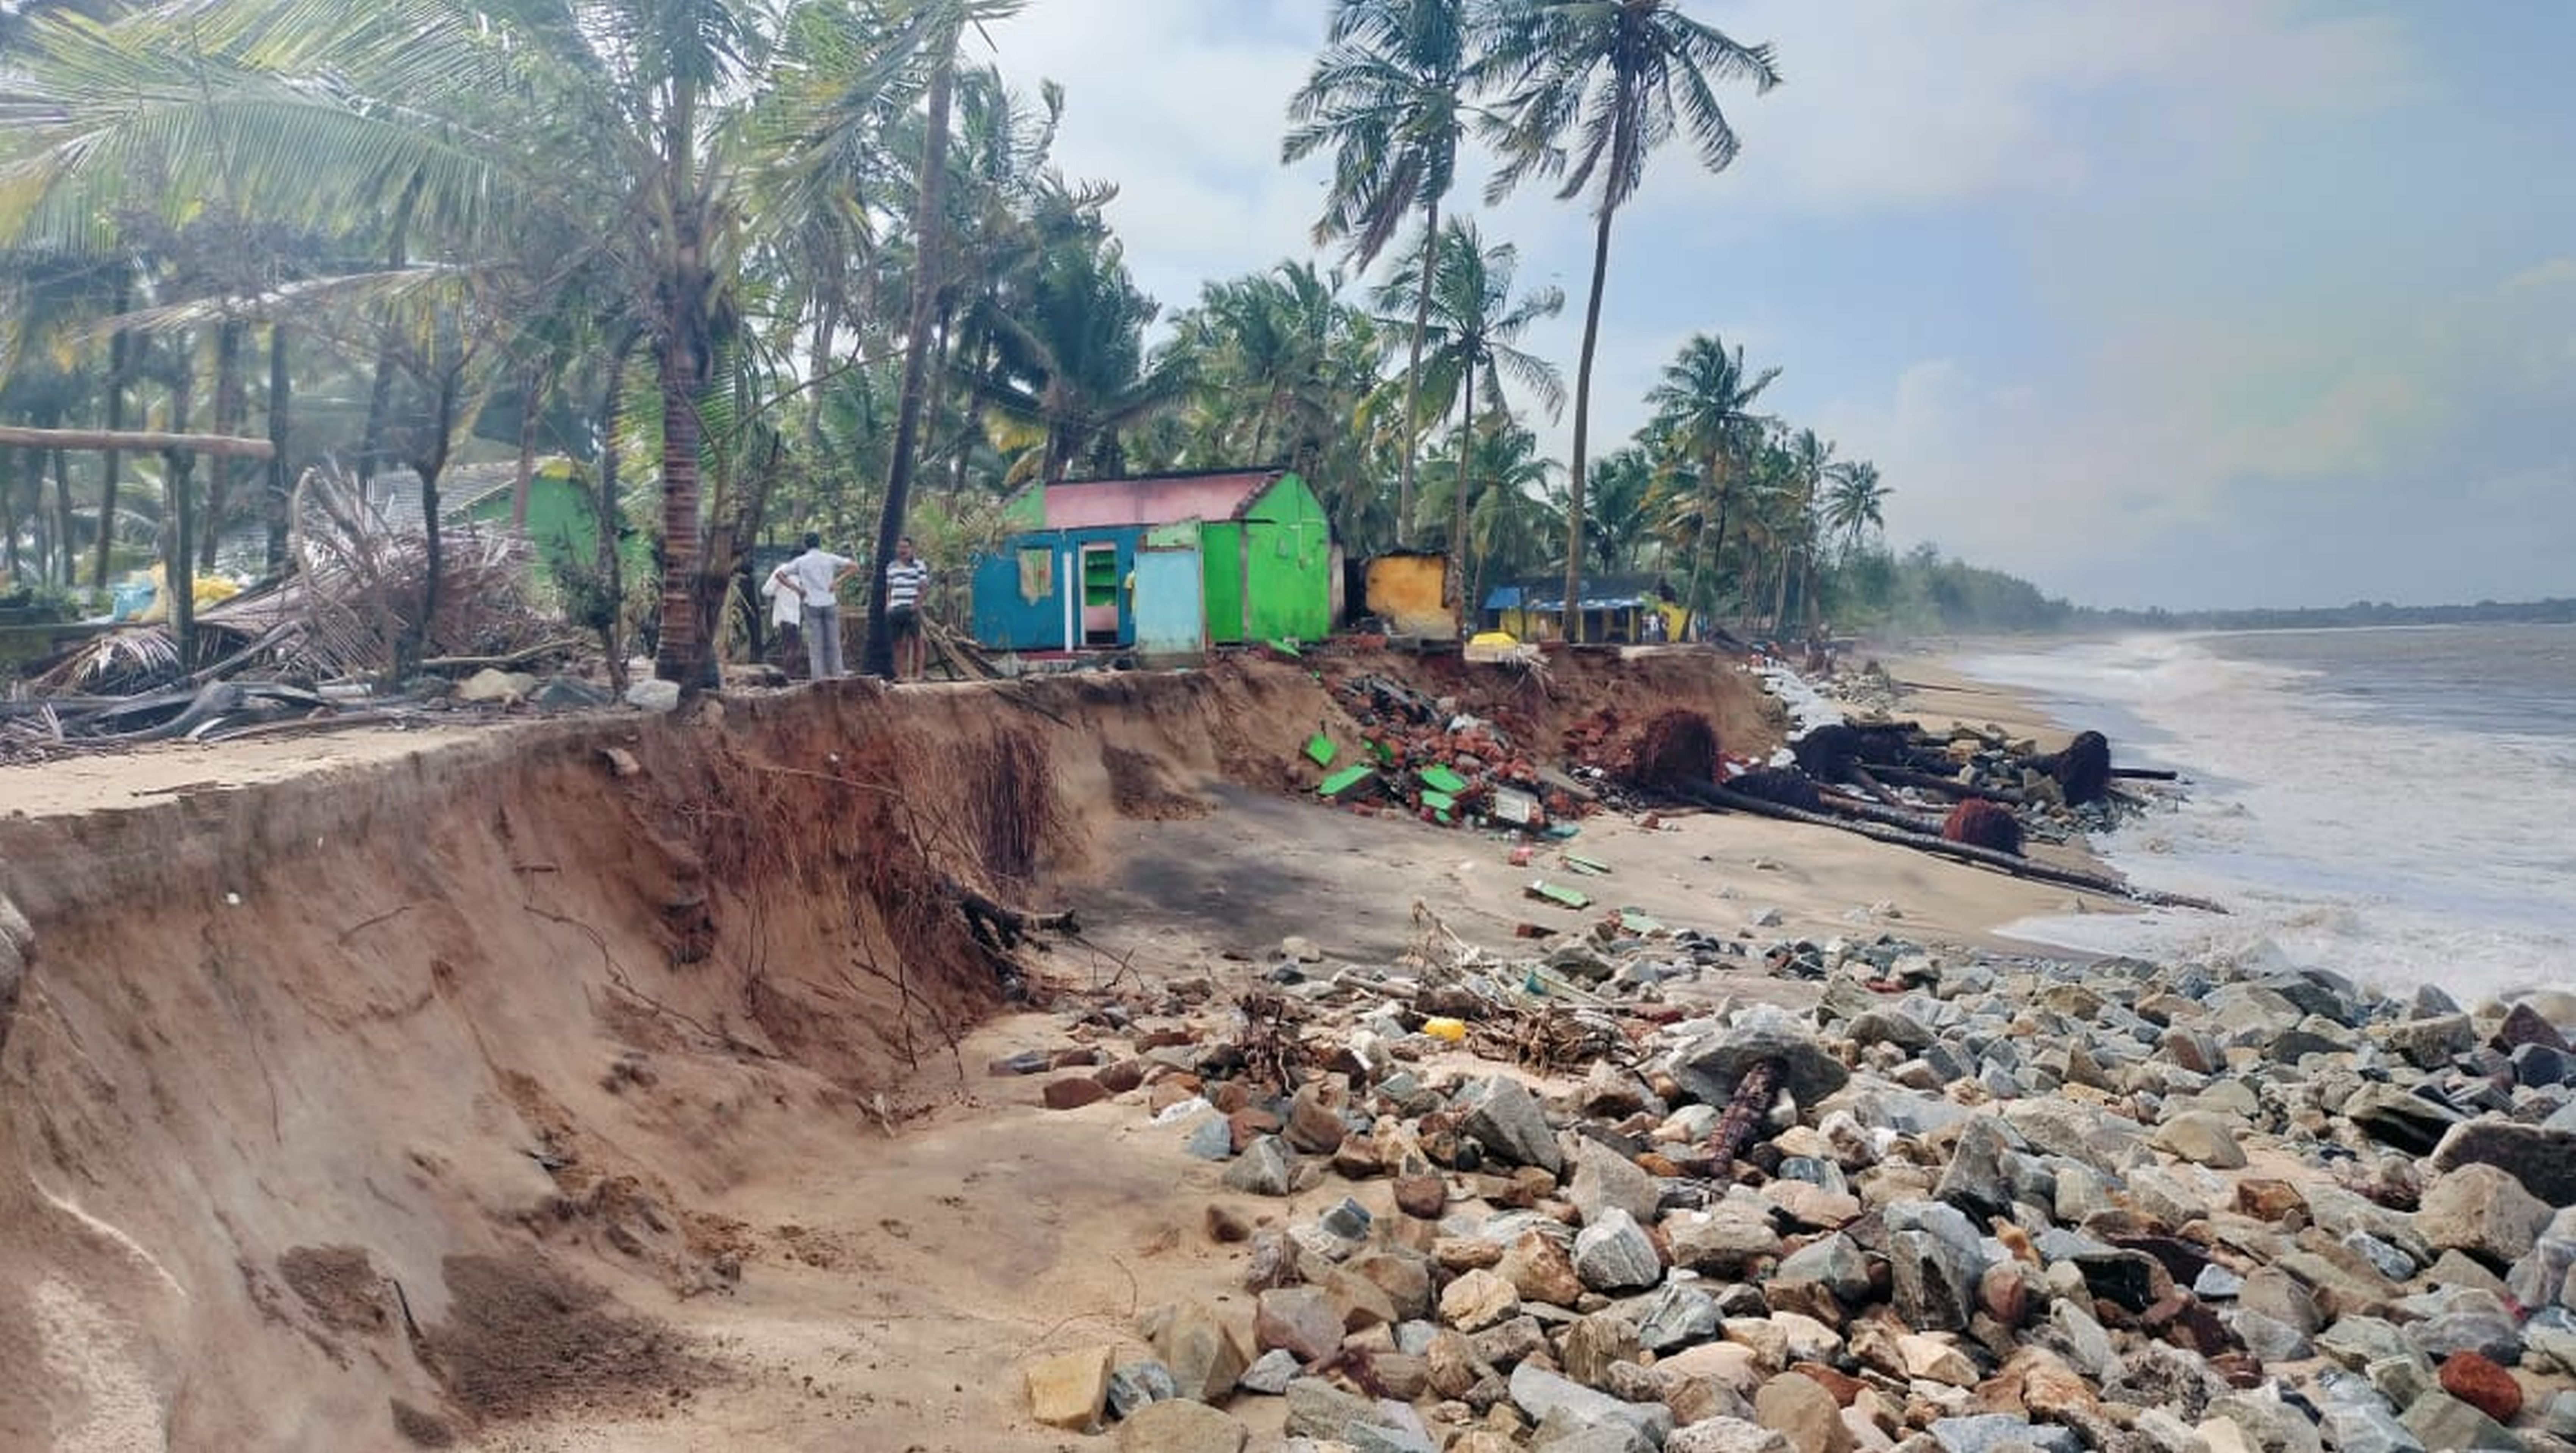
<point x="815" y="579"/>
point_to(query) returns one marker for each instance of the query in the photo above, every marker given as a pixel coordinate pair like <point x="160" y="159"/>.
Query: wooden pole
<point x="229" y="446"/>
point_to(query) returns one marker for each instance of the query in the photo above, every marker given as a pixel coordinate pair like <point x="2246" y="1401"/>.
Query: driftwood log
<point x="1711" y="795"/>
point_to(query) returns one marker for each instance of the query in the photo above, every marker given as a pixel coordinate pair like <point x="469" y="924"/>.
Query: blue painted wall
<point x="1008" y="619"/>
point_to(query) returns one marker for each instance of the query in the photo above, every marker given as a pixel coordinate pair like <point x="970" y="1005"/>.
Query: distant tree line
<point x="2555" y="611"/>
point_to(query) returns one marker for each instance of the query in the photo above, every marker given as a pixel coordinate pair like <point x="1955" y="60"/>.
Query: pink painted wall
<point x="1149" y="501"/>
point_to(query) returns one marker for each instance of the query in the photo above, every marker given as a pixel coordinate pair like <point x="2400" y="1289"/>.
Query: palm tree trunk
<point x="809" y="439"/>
<point x="1583" y="429"/>
<point x="231" y="405"/>
<point x="879" y="657"/>
<point x="610" y="559"/>
<point x="63" y="513"/>
<point x="1413" y="376"/>
<point x="281" y="390"/>
<point x="179" y="578"/>
<point x="120" y="350"/>
<point x="371" y="441"/>
<point x="681" y="655"/>
<point x="1458" y="510"/>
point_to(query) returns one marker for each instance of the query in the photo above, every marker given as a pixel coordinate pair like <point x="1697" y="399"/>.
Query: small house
<point x="1614" y="609"/>
<point x="1163" y="565"/>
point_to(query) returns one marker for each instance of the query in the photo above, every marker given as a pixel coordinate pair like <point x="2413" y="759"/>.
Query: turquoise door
<point x="1170" y="616"/>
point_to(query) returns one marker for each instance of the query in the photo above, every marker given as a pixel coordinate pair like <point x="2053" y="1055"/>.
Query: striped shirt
<point x="904" y="584"/>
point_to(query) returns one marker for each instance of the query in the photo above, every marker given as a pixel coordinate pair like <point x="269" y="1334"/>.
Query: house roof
<point x="1153" y="499"/>
<point x="1547" y="597"/>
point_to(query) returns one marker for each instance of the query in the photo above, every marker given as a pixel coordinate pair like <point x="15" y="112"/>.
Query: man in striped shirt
<point x="907" y="579"/>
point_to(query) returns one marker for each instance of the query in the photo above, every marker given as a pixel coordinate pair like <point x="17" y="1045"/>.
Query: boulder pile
<point x="1962" y="1203"/>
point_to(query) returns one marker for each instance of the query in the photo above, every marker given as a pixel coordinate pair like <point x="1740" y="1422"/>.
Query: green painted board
<point x="1562" y="830"/>
<point x="1385" y="755"/>
<point x="1635" y="922"/>
<point x="1582" y="864"/>
<point x="1440" y="802"/>
<point x="1561" y="896"/>
<point x="1320" y="750"/>
<point x="1344" y="780"/>
<point x="1441" y="779"/>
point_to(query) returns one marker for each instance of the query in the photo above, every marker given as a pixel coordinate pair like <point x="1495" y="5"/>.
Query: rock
<point x="2391" y="1116"/>
<point x="1997" y="1432"/>
<point x="1264" y="1168"/>
<point x="2354" y="1428"/>
<point x="1404" y="1276"/>
<point x="1975" y="1181"/>
<point x="1798" y="1408"/>
<point x="1542" y="1394"/>
<point x="1561" y="1434"/>
<point x="1507" y="1120"/>
<point x="1604" y="1179"/>
<point x="1204" y="1355"/>
<point x="2269" y="1338"/>
<point x="1711" y="1067"/>
<point x="1317" y="1409"/>
<point x="2444" y="1421"/>
<point x="1723" y="1239"/>
<point x="1271" y="1375"/>
<point x="2483" y="1210"/>
<point x="1832" y="1262"/>
<point x="1423" y="1193"/>
<point x="1070" y="1389"/>
<point x="2268" y="1199"/>
<point x="1936" y="1359"/>
<point x="2431" y="1043"/>
<point x="2483" y="1385"/>
<point x="1677" y="1315"/>
<point x="2543" y="1160"/>
<point x="1299" y="950"/>
<point x="1538" y="1267"/>
<point x="1593" y="1343"/>
<point x="1364" y="1438"/>
<point x="1936" y="1261"/>
<point x="1613" y="1254"/>
<point x="1073" y="1092"/>
<point x="1300" y="1320"/>
<point x="2278" y="1295"/>
<point x="1315" y="1125"/>
<point x="1727" y="1435"/>
<point x="1181" y="1427"/>
<point x="1134" y="1384"/>
<point x="1478" y="1300"/>
<point x="654" y="695"/>
<point x="491" y="685"/>
<point x="2202" y="1139"/>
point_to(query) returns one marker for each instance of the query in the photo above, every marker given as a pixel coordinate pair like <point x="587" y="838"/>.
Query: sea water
<point x="2396" y="805"/>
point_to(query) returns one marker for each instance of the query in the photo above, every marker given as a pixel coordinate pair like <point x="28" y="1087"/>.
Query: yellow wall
<point x="1409" y="593"/>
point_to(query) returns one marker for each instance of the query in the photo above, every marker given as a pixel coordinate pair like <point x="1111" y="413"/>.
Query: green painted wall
<point x="1221" y="558"/>
<point x="1288" y="567"/>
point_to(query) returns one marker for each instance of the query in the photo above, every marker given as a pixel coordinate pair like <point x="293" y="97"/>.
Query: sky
<point x="2192" y="303"/>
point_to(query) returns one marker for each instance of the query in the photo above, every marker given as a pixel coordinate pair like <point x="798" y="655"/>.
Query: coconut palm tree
<point x="1472" y="328"/>
<point x="1617" y="525"/>
<point x="1704" y="417"/>
<point x="1514" y="509"/>
<point x="1590" y="89"/>
<point x="1387" y="98"/>
<point x="1811" y="464"/>
<point x="1071" y="368"/>
<point x="1856" y="503"/>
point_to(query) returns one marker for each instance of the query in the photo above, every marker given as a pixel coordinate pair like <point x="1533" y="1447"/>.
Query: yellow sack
<point x="206" y="590"/>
